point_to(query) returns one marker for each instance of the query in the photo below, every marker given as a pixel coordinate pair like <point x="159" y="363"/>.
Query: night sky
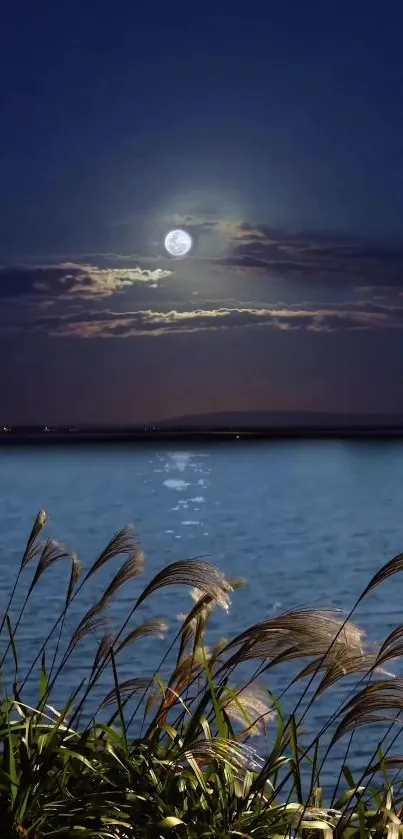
<point x="273" y="134"/>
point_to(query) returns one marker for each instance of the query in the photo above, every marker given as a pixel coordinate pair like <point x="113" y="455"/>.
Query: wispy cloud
<point x="351" y="285"/>
<point x="110" y="324"/>
<point x="68" y="280"/>
<point x="258" y="248"/>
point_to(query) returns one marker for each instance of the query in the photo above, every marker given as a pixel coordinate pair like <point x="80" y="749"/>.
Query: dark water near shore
<point x="304" y="522"/>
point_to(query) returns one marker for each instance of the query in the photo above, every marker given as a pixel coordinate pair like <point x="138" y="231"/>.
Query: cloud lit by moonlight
<point x="178" y="242"/>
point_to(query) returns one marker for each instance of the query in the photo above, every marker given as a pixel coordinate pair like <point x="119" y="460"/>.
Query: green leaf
<point x="361" y="819"/>
<point x="12" y="644"/>
<point x="119" y="700"/>
<point x="317" y="824"/>
<point x="218" y="714"/>
<point x="12" y="769"/>
<point x="43" y="683"/>
<point x="170" y="821"/>
<point x="348" y="776"/>
<point x="296" y="765"/>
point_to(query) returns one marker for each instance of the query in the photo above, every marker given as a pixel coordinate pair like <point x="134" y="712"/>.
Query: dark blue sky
<point x="122" y="120"/>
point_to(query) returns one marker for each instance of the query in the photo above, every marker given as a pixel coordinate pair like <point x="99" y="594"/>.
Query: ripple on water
<point x="176" y="483"/>
<point x="179" y="460"/>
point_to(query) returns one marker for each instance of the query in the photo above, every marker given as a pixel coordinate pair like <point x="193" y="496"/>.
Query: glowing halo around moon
<point x="178" y="242"/>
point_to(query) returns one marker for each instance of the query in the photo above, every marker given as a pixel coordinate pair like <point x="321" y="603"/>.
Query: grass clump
<point x="170" y="754"/>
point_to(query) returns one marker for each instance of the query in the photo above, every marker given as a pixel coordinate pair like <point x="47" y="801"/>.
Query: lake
<point x="305" y="522"/>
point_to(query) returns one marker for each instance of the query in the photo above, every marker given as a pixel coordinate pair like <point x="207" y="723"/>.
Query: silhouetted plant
<point x="192" y="770"/>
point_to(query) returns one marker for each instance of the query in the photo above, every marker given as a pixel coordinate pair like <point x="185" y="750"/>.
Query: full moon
<point x="178" y="242"/>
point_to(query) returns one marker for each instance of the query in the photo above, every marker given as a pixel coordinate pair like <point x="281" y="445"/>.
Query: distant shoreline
<point x="97" y="436"/>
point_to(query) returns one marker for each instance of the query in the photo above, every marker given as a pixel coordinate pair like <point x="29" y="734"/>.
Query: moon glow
<point x="178" y="242"/>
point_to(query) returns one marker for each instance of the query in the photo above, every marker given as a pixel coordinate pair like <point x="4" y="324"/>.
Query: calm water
<point x="303" y="522"/>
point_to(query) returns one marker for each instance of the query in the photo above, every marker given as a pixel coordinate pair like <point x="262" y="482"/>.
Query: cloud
<point x="110" y="324"/>
<point x="234" y="249"/>
<point x="308" y="255"/>
<point x="71" y="280"/>
<point x="359" y="287"/>
<point x="261" y="249"/>
<point x="381" y="292"/>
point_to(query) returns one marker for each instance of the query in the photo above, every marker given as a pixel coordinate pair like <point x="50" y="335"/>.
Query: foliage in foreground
<point x="193" y="771"/>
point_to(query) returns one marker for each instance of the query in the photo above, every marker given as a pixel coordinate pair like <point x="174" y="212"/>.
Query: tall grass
<point x="191" y="769"/>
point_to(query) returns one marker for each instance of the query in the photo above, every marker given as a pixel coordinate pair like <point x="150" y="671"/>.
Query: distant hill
<point x="282" y="419"/>
<point x="252" y="425"/>
<point x="220" y="426"/>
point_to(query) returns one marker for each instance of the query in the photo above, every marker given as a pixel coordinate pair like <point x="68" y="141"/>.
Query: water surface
<point x="304" y="522"/>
